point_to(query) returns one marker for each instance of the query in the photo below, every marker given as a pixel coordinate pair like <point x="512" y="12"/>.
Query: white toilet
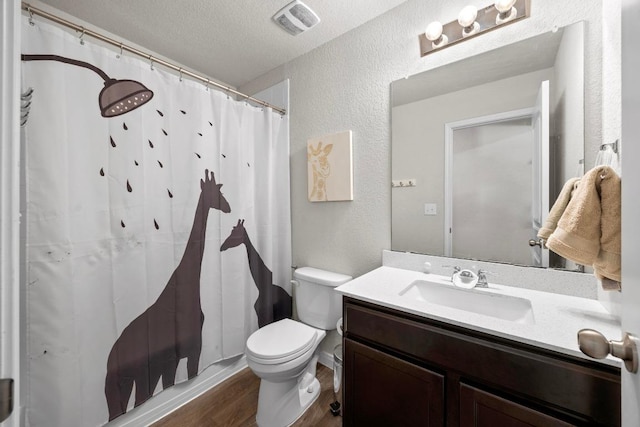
<point x="283" y="354"/>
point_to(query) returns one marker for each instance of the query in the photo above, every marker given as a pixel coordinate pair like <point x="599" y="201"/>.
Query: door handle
<point x="6" y="398"/>
<point x="594" y="344"/>
<point x="538" y="242"/>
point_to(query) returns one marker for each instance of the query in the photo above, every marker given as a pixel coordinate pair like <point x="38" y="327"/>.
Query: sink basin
<point x="503" y="307"/>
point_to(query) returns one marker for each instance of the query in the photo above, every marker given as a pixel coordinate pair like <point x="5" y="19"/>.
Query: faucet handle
<point x="456" y="269"/>
<point x="482" y="278"/>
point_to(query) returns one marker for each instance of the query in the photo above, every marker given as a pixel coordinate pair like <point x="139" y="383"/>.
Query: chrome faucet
<point x="482" y="275"/>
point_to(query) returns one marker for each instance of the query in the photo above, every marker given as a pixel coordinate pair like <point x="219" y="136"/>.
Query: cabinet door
<point x="382" y="390"/>
<point x="482" y="409"/>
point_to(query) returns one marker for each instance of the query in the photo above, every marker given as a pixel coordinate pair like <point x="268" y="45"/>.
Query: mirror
<point x="456" y="154"/>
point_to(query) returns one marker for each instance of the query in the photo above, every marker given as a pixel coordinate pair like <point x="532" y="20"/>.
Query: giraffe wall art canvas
<point x="330" y="168"/>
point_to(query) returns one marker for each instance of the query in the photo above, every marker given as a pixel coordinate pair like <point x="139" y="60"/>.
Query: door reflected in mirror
<point x="489" y="148"/>
<point x="481" y="201"/>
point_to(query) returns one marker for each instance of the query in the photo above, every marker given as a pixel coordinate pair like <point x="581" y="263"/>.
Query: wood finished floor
<point x="234" y="403"/>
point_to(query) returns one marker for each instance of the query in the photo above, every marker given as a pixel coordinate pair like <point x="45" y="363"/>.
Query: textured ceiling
<point x="233" y="41"/>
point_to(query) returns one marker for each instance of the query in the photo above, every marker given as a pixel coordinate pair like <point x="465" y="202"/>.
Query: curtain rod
<point x="35" y="11"/>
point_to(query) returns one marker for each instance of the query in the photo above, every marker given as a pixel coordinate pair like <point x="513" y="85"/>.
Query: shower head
<point x="116" y="97"/>
<point x="121" y="96"/>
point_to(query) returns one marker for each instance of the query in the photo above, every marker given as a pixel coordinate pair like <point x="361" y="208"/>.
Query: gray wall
<point x="344" y="85"/>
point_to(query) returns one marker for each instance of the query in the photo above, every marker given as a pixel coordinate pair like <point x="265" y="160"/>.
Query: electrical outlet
<point x="430" y="209"/>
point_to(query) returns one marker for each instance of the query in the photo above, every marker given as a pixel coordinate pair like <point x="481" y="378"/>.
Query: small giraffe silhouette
<point x="273" y="303"/>
<point x="319" y="162"/>
<point x="171" y="328"/>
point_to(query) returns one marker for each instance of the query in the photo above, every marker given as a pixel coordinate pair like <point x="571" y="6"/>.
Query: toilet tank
<point x="317" y="302"/>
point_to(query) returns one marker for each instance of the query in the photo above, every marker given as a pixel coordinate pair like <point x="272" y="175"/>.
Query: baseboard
<point x="180" y="394"/>
<point x="325" y="358"/>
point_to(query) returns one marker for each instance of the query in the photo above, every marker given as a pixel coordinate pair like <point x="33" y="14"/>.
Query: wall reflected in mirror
<point x="471" y="135"/>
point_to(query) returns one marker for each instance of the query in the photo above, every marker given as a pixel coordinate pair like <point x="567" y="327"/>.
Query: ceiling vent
<point x="296" y="17"/>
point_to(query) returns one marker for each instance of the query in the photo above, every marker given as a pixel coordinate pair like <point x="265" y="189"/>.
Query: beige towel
<point x="588" y="232"/>
<point x="558" y="208"/>
<point x="607" y="264"/>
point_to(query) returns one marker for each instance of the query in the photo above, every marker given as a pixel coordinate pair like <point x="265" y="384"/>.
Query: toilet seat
<point x="280" y="342"/>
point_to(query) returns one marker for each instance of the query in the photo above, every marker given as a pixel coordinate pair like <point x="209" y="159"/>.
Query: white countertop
<point x="557" y="318"/>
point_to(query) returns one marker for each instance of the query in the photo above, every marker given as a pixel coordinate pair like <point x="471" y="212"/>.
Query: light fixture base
<point x="510" y="15"/>
<point x="442" y="41"/>
<point x="471" y="30"/>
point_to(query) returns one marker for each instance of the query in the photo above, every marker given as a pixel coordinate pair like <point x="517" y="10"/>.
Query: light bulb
<point x="434" y="34"/>
<point x="504" y="6"/>
<point x="434" y="31"/>
<point x="468" y="16"/>
<point x="506" y="11"/>
<point x="467" y="19"/>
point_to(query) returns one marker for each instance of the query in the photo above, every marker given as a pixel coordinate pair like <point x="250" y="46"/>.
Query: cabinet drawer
<point x="586" y="391"/>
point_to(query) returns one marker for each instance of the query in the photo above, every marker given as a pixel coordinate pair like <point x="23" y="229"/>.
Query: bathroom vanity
<point x="411" y="362"/>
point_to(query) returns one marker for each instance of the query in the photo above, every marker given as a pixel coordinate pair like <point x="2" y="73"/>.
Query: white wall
<point x="344" y="84"/>
<point x="567" y="105"/>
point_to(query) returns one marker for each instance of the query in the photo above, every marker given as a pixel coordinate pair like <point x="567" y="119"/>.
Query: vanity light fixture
<point x="474" y="22"/>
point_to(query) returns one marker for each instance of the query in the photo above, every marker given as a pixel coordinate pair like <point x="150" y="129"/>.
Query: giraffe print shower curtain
<point x="129" y="200"/>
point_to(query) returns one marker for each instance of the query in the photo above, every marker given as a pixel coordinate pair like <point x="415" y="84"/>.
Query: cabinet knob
<point x="594" y="344"/>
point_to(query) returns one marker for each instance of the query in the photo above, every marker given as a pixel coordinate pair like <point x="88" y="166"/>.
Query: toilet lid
<point x="280" y="341"/>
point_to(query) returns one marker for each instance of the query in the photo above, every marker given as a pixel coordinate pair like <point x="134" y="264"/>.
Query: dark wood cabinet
<point x="388" y="391"/>
<point x="479" y="408"/>
<point x="401" y="369"/>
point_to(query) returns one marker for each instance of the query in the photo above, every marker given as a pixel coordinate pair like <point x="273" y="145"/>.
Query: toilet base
<point x="280" y="404"/>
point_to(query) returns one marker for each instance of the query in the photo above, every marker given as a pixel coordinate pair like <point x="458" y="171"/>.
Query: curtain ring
<point x="207" y="85"/>
<point x="30" y="16"/>
<point x="81" y="36"/>
<point x="180" y="71"/>
<point x="151" y="62"/>
<point x="120" y="54"/>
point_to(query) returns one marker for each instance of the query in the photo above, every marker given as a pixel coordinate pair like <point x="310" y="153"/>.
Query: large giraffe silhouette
<point x="171" y="328"/>
<point x="273" y="303"/>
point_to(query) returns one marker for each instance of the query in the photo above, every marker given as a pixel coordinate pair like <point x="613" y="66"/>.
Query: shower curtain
<point x="156" y="240"/>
